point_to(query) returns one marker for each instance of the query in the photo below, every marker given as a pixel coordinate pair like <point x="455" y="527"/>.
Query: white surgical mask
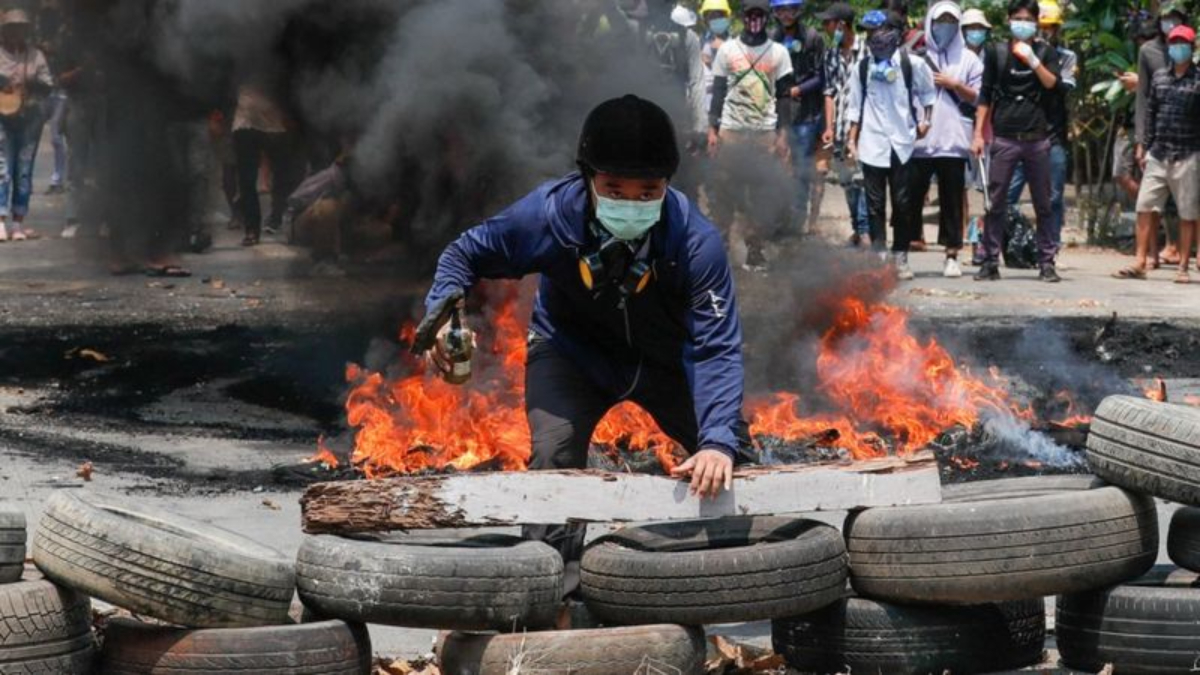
<point x="626" y="219"/>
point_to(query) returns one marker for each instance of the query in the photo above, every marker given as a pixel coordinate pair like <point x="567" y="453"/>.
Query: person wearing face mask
<point x="1152" y="57"/>
<point x="891" y="100"/>
<point x="1171" y="161"/>
<point x="806" y="100"/>
<point x="943" y="152"/>
<point x="635" y="300"/>
<point x="1018" y="77"/>
<point x="747" y="124"/>
<point x="841" y="64"/>
<point x="1050" y="21"/>
<point x="716" y="15"/>
<point x="976" y="31"/>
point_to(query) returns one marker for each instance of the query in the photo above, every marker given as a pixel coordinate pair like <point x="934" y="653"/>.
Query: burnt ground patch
<point x="285" y="384"/>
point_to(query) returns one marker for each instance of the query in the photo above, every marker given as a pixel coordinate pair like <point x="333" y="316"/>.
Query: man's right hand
<point x="1129" y="81"/>
<point x="426" y="334"/>
<point x="714" y="142"/>
<point x="1139" y="154"/>
<point x="827" y="137"/>
<point x="977" y="147"/>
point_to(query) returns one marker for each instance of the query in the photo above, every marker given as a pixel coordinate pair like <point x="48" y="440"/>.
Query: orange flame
<point x="875" y="379"/>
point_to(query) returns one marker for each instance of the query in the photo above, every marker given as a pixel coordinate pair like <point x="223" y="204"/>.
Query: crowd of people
<point x="783" y="98"/>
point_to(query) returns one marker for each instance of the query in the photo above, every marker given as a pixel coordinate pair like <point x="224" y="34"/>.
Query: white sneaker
<point x="952" y="270"/>
<point x="19" y="235"/>
<point x="70" y="231"/>
<point x="3" y="231"/>
<point x="903" y="271"/>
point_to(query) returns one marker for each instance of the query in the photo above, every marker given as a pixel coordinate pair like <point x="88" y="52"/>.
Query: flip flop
<point x="1183" y="278"/>
<point x="1130" y="273"/>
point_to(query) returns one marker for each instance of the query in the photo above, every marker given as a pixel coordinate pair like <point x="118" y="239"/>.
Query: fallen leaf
<point x="271" y="505"/>
<point x="85" y="471"/>
<point x="218" y="283"/>
<point x="396" y="667"/>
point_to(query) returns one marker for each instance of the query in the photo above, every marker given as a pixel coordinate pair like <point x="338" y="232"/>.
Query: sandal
<point x="1183" y="278"/>
<point x="174" y="271"/>
<point x="1130" y="273"/>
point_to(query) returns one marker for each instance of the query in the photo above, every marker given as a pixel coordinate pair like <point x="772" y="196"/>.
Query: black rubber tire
<point x="162" y="565"/>
<point x="325" y="648"/>
<point x="1148" y="626"/>
<point x="603" y="651"/>
<point x="1012" y="488"/>
<point x="1183" y="538"/>
<point x="997" y="550"/>
<point x="1148" y="447"/>
<point x="864" y="636"/>
<point x="44" y="629"/>
<point x="713" y="571"/>
<point x="12" y="545"/>
<point x="446" y="581"/>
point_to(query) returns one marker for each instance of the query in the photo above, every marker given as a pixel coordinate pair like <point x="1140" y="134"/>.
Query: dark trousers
<point x="1006" y="153"/>
<point x="287" y="170"/>
<point x="563" y="406"/>
<point x="878" y="182"/>
<point x="951" y="175"/>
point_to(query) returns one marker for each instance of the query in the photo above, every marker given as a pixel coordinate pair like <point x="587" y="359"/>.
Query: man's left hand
<point x="710" y="471"/>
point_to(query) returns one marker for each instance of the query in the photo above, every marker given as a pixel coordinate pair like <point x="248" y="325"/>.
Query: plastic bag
<point x="1020" y="243"/>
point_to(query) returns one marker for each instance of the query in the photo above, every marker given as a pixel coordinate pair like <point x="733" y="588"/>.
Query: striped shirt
<point x="1173" y="114"/>
<point x="838" y="71"/>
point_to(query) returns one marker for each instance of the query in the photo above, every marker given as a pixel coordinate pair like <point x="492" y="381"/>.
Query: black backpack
<point x="906" y="72"/>
<point x="667" y="42"/>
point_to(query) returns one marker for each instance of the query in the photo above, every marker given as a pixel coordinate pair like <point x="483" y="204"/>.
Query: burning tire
<point x="432" y="580"/>
<point x="160" y="564"/>
<point x="714" y="571"/>
<point x="999" y="549"/>
<point x="12" y="545"/>
<point x="326" y="648"/>
<point x="1012" y="488"/>
<point x="1147" y="626"/>
<point x="1147" y="446"/>
<point x="44" y="628"/>
<point x="641" y="649"/>
<point x="858" y="635"/>
<point x="1183" y="538"/>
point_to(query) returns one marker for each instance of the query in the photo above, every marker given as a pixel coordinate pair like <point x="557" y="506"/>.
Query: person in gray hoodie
<point x="945" y="150"/>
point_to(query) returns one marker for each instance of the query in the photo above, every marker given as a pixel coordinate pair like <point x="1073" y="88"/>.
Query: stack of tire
<point x="212" y="601"/>
<point x="1152" y="624"/>
<point x="653" y="587"/>
<point x="44" y="628"/>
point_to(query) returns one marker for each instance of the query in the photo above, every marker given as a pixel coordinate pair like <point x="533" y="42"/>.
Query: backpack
<point x="1020" y="242"/>
<point x="1000" y="49"/>
<point x="906" y="72"/>
<point x="667" y="42"/>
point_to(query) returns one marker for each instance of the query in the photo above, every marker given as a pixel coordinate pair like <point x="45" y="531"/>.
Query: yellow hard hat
<point x="1050" y="13"/>
<point x="715" y="6"/>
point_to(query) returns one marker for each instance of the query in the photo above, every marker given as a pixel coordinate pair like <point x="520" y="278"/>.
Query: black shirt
<point x="1173" y="114"/>
<point x="1020" y="104"/>
<point x="808" y="71"/>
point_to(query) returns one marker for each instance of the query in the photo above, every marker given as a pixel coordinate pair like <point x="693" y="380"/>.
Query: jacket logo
<point x="718" y="304"/>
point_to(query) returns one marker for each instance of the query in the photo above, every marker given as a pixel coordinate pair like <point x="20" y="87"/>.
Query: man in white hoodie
<point x="945" y="150"/>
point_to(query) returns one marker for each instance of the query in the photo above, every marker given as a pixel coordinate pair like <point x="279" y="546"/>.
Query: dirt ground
<point x="193" y="393"/>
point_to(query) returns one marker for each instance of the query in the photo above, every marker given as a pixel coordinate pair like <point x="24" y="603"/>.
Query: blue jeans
<point x="19" y="137"/>
<point x="1058" y="181"/>
<point x="803" y="138"/>
<point x="851" y="181"/>
<point x="56" y="116"/>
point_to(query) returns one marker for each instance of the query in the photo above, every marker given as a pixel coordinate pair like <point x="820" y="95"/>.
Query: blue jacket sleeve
<point x="712" y="358"/>
<point x="510" y="245"/>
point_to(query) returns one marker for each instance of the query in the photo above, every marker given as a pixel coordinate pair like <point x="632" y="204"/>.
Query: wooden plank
<point x="550" y="497"/>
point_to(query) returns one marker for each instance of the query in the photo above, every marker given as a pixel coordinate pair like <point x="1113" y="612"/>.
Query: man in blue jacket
<point x="635" y="302"/>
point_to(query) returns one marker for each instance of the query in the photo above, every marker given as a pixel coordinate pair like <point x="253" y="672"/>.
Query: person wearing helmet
<point x="1050" y="21"/>
<point x="891" y="101"/>
<point x="674" y="47"/>
<point x="805" y="114"/>
<point x="717" y="19"/>
<point x="1019" y="78"/>
<point x="635" y="300"/>
<point x="747" y="124"/>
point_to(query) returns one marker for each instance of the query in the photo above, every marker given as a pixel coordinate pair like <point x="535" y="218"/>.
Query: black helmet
<point x="630" y="137"/>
